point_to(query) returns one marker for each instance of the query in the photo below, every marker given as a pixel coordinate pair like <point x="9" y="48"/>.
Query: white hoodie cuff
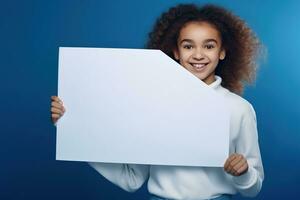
<point x="246" y="180"/>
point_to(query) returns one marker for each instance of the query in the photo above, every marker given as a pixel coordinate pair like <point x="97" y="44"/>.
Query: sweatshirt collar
<point x="216" y="84"/>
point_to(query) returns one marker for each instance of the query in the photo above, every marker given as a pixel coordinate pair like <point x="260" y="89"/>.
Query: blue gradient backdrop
<point x="32" y="31"/>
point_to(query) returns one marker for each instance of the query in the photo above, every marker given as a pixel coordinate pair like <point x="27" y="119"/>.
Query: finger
<point x="56" y="99"/>
<point x="231" y="157"/>
<point x="231" y="168"/>
<point x="57" y="105"/>
<point x="237" y="166"/>
<point x="235" y="173"/>
<point x="55" y="116"/>
<point x="229" y="165"/>
<point x="237" y="159"/>
<point x="243" y="169"/>
<point x="234" y="162"/>
<point x="57" y="111"/>
<point x="226" y="165"/>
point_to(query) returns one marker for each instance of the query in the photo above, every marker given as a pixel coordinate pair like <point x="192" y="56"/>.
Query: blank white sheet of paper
<point x="137" y="106"/>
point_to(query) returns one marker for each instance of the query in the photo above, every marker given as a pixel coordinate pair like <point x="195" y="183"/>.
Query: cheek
<point x="215" y="56"/>
<point x="184" y="56"/>
<point x="183" y="59"/>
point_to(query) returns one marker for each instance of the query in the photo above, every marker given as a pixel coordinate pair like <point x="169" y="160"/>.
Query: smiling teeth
<point x="198" y="65"/>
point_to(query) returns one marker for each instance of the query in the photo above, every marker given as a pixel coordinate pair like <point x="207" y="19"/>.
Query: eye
<point x="209" y="46"/>
<point x="187" y="46"/>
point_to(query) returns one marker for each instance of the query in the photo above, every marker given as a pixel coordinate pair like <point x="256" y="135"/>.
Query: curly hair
<point x="240" y="43"/>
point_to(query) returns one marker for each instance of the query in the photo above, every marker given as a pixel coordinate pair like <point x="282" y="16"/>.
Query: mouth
<point x="198" y="66"/>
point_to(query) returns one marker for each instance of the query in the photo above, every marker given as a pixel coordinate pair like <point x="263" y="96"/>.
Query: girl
<point x="218" y="48"/>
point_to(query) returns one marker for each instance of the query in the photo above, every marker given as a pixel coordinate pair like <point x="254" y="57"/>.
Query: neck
<point x="210" y="79"/>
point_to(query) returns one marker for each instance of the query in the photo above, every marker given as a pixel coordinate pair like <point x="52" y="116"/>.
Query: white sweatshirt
<point x="180" y="182"/>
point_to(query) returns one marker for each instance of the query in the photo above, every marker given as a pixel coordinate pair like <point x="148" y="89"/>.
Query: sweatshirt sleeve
<point x="129" y="177"/>
<point x="250" y="183"/>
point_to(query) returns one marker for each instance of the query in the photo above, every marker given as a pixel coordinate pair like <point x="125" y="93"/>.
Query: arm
<point x="249" y="183"/>
<point x="129" y="177"/>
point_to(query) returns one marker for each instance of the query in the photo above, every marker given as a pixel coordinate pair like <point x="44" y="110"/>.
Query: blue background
<point x="32" y="31"/>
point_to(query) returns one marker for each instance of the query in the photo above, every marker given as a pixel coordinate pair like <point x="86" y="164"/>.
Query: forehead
<point x="199" y="31"/>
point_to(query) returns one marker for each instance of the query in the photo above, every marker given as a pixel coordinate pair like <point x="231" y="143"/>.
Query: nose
<point x="198" y="54"/>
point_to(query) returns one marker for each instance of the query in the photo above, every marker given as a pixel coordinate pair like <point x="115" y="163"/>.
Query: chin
<point x="201" y="76"/>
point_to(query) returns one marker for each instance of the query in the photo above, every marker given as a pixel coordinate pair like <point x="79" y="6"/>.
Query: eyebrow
<point x="205" y="41"/>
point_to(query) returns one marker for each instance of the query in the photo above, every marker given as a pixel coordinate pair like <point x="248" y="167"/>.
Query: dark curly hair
<point x="240" y="43"/>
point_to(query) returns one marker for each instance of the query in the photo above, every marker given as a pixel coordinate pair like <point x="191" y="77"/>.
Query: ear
<point x="222" y="54"/>
<point x="176" y="54"/>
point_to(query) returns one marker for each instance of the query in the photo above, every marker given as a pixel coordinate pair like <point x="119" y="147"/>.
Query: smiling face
<point x="199" y="49"/>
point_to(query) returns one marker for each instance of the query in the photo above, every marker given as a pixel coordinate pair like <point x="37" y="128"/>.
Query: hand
<point x="57" y="109"/>
<point x="236" y="165"/>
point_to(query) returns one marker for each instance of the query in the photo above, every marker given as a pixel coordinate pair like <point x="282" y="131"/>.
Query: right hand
<point x="57" y="109"/>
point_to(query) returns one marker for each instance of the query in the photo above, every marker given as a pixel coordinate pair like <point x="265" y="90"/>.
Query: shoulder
<point x="238" y="105"/>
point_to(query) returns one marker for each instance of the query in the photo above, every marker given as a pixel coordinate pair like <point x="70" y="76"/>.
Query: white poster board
<point x="137" y="106"/>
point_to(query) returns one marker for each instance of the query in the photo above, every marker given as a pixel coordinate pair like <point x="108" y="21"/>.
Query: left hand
<point x="236" y="165"/>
